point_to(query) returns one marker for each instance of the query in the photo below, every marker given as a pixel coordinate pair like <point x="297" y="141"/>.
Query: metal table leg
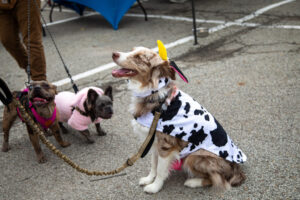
<point x="194" y="23"/>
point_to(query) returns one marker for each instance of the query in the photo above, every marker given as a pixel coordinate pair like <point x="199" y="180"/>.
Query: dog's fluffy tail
<point x="238" y="176"/>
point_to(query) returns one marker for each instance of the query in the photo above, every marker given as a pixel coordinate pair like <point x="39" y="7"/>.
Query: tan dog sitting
<point x="39" y="103"/>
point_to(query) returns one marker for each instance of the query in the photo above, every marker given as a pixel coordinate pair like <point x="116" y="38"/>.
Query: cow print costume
<point x="186" y="119"/>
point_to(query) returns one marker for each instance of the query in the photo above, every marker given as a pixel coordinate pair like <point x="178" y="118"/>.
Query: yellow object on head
<point x="162" y="50"/>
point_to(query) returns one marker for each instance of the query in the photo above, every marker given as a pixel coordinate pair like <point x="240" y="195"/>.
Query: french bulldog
<point x="89" y="105"/>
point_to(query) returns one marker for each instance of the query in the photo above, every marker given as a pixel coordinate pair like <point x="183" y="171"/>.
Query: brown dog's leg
<point x="100" y="131"/>
<point x="34" y="138"/>
<point x="63" y="129"/>
<point x="8" y="119"/>
<point x="87" y="135"/>
<point x="56" y="132"/>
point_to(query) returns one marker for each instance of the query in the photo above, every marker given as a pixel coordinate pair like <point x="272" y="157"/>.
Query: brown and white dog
<point x="206" y="151"/>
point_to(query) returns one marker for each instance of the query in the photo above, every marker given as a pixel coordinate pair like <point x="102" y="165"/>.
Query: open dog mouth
<point x="39" y="101"/>
<point x="123" y="72"/>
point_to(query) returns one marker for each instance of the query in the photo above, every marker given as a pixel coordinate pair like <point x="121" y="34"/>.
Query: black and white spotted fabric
<point x="186" y="119"/>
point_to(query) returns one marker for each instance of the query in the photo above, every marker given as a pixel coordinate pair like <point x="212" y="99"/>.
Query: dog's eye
<point x="46" y="86"/>
<point x="101" y="105"/>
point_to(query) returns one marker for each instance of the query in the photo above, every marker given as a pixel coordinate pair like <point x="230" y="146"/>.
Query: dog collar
<point x="164" y="81"/>
<point x="44" y="122"/>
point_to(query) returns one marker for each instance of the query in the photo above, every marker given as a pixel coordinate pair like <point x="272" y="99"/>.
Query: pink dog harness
<point x="44" y="122"/>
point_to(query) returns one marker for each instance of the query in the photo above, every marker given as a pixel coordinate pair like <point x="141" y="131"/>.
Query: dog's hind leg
<point x="87" y="135"/>
<point x="9" y="116"/>
<point x="63" y="128"/>
<point x="100" y="131"/>
<point x="154" y="159"/>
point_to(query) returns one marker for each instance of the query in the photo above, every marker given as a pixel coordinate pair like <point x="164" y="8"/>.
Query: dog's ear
<point x="108" y="92"/>
<point x="167" y="71"/>
<point x="92" y="97"/>
<point x="54" y="87"/>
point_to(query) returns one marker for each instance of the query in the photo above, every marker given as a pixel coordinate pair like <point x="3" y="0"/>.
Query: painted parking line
<point x="70" y="19"/>
<point x="249" y="17"/>
<point x="238" y="22"/>
<point x="175" y="43"/>
<point x="172" y="44"/>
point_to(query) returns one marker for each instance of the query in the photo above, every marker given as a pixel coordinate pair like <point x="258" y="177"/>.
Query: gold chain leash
<point x="36" y="128"/>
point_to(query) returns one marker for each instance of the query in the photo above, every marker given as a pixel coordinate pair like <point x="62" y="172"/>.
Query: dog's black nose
<point x="115" y="55"/>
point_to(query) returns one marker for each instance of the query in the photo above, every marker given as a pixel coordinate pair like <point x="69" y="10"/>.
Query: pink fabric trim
<point x="177" y="165"/>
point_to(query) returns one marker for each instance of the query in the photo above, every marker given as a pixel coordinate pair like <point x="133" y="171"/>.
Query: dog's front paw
<point x="5" y="147"/>
<point x="42" y="159"/>
<point x="101" y="133"/>
<point x="65" y="144"/>
<point x="146" y="180"/>
<point x="153" y="188"/>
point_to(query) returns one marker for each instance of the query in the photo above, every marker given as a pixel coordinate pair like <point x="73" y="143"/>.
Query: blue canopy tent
<point x="111" y="10"/>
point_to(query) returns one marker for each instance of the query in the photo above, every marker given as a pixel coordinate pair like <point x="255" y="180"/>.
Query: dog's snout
<point x="109" y="111"/>
<point x="115" y="55"/>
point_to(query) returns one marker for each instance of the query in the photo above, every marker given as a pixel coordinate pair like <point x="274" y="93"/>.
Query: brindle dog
<point x="41" y="94"/>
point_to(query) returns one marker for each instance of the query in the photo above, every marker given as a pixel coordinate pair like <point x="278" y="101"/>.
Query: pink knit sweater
<point x="64" y="103"/>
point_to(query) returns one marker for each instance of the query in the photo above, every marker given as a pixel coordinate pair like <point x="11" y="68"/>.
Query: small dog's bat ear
<point x="108" y="92"/>
<point x="92" y="96"/>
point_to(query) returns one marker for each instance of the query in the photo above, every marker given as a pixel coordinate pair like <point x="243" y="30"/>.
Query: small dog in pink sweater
<point x="89" y="105"/>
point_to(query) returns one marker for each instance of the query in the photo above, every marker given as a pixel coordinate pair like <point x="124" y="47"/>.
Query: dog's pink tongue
<point x="123" y="73"/>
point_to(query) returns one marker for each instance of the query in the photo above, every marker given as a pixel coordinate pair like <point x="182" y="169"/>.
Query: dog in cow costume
<point x="187" y="135"/>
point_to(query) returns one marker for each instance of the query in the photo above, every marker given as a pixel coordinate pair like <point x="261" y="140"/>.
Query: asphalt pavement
<point x="246" y="72"/>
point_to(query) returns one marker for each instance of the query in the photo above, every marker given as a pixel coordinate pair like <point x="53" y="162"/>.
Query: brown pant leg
<point x="9" y="36"/>
<point x="37" y="56"/>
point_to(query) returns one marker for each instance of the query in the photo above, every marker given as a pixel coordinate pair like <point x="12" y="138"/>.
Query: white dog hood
<point x="186" y="119"/>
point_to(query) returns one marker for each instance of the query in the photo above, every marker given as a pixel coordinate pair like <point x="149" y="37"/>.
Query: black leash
<point x="75" y="88"/>
<point x="6" y="98"/>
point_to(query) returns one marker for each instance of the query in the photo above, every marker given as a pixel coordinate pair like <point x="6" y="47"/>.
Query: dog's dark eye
<point x="46" y="86"/>
<point x="101" y="105"/>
